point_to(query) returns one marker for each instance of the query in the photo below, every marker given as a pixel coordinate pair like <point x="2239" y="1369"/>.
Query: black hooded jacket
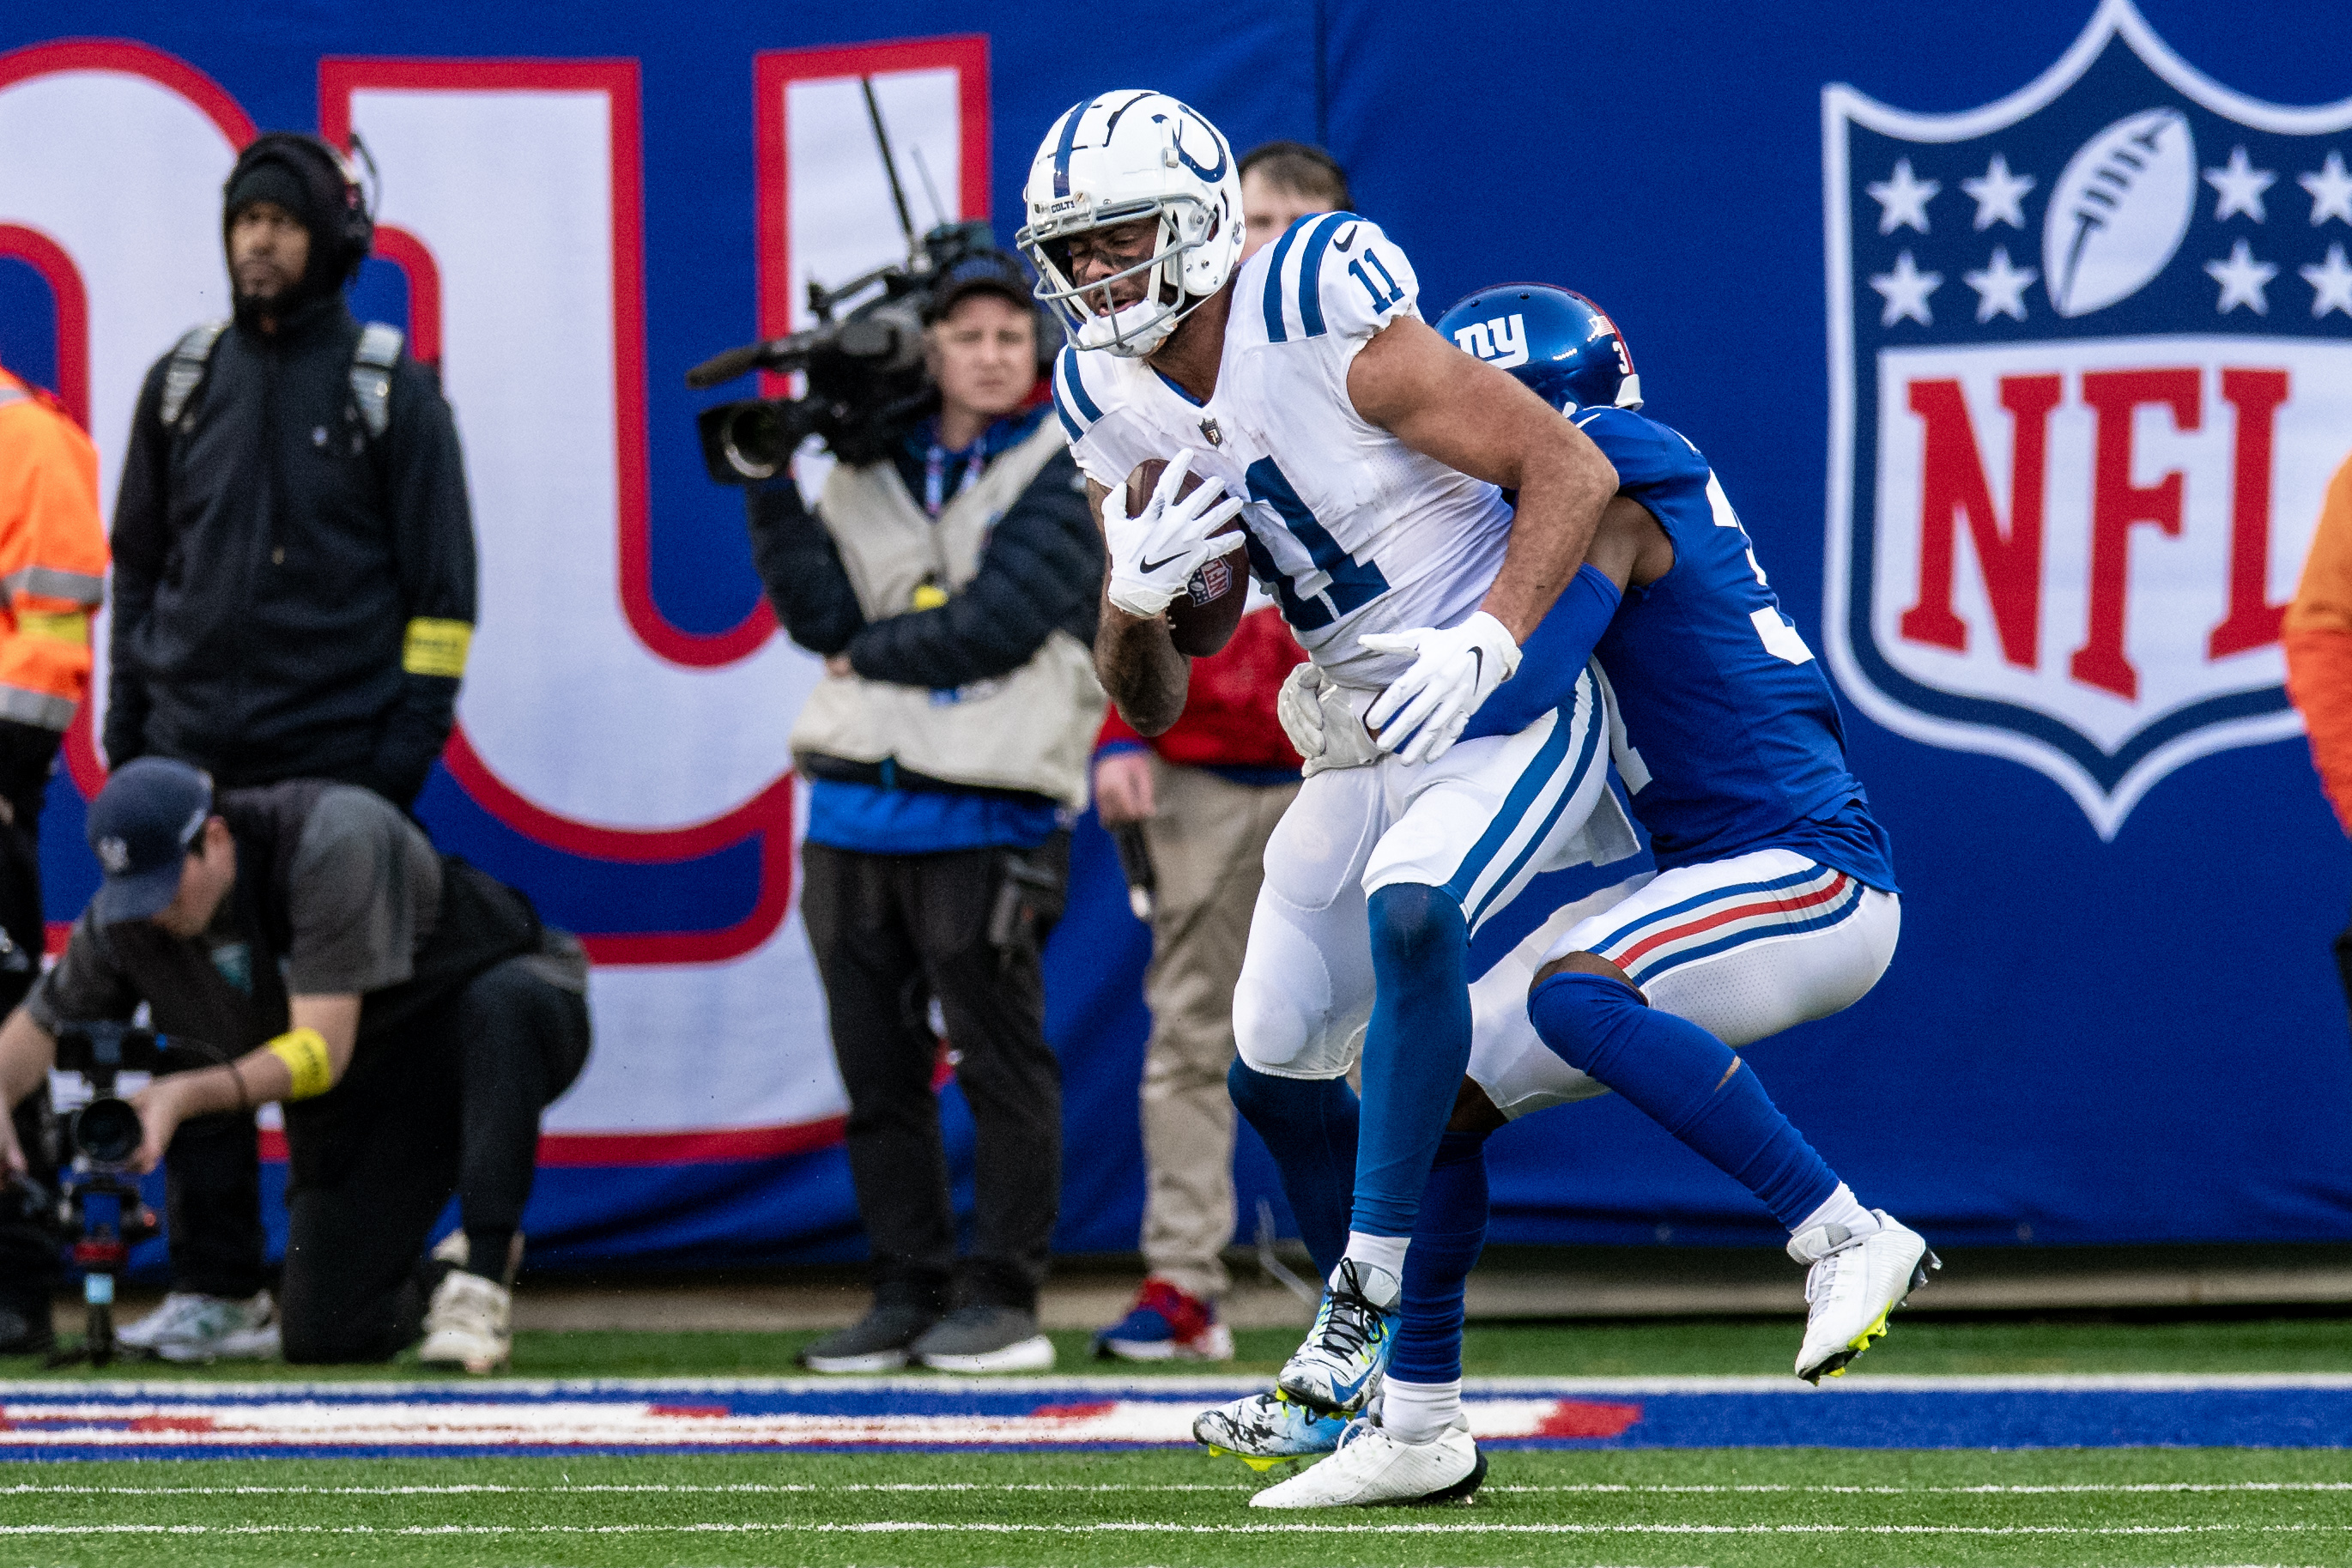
<point x="269" y="557"/>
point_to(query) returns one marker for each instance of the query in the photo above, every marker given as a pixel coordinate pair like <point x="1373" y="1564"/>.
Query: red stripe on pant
<point x="1724" y="916"/>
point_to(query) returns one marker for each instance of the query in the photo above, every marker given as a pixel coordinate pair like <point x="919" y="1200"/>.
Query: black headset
<point x="356" y="232"/>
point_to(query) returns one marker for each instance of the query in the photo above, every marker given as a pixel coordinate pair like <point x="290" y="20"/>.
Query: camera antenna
<point x="923" y="167"/>
<point x="889" y="164"/>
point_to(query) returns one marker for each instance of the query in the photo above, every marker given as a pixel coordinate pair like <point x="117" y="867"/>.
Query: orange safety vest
<point x="52" y="556"/>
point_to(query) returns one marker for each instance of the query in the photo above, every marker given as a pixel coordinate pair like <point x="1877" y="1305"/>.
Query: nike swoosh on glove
<point x="1152" y="553"/>
<point x="1454" y="669"/>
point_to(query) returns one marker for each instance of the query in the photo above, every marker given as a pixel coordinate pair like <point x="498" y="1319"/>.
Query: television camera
<point x="98" y="1201"/>
<point x="862" y="360"/>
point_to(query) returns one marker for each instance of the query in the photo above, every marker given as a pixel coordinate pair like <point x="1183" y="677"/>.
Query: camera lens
<point x="107" y="1132"/>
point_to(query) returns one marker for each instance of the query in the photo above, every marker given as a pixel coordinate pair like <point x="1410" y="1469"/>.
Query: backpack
<point x="371" y="367"/>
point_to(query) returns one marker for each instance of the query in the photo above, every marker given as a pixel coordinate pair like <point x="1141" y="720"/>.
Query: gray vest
<point x="1032" y="729"/>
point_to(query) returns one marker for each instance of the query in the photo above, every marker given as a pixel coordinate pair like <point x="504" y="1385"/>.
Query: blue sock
<point x="1687" y="1082"/>
<point x="1414" y="1051"/>
<point x="1446" y="1242"/>
<point x="1309" y="1128"/>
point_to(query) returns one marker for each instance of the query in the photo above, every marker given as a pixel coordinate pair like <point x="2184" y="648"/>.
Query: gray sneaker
<point x="193" y="1328"/>
<point x="982" y="1338"/>
<point x="875" y="1342"/>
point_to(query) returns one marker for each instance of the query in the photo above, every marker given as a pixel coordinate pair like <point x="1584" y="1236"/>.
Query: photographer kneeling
<point x="953" y="589"/>
<point x="411" y="1014"/>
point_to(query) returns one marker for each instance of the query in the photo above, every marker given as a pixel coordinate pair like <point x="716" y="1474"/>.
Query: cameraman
<point x="411" y="1014"/>
<point x="952" y="590"/>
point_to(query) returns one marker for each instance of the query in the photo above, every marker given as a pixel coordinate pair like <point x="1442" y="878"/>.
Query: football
<point x="2119" y="211"/>
<point x="1201" y="619"/>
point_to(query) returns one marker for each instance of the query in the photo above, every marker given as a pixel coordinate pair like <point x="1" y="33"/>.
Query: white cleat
<point x="1262" y="1430"/>
<point x="1374" y="1468"/>
<point x="1856" y="1281"/>
<point x="193" y="1329"/>
<point x="467" y="1325"/>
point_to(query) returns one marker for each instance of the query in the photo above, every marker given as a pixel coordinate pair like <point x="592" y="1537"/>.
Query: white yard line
<point x="789" y="1488"/>
<point x="1174" y="1385"/>
<point x="1135" y="1527"/>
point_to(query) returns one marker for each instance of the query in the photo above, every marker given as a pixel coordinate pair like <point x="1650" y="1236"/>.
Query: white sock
<point x="1418" y="1412"/>
<point x="1379" y="1251"/>
<point x="1841" y="1208"/>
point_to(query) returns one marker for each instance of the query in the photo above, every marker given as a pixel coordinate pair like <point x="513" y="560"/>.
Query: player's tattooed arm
<point x="1467" y="414"/>
<point x="1134" y="659"/>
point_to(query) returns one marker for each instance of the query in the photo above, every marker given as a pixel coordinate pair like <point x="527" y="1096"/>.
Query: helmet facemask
<point x="1090" y="311"/>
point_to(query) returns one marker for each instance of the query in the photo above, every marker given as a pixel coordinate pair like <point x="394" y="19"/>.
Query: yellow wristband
<point x="436" y="648"/>
<point x="304" y="1052"/>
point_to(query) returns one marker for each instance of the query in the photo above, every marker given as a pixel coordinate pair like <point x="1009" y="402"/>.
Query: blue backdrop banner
<point x="2021" y="339"/>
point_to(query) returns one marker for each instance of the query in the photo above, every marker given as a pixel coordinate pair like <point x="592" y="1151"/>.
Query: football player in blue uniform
<point x="1366" y="459"/>
<point x="1774" y="902"/>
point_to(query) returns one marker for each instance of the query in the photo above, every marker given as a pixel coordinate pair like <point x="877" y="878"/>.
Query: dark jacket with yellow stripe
<point x="291" y="598"/>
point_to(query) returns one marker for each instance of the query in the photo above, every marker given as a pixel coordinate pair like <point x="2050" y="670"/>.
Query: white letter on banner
<point x="117" y="155"/>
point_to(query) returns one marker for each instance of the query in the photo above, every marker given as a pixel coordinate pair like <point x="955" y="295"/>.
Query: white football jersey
<point x="1351" y="530"/>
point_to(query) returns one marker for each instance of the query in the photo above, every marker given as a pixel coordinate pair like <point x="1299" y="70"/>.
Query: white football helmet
<point x="1114" y="158"/>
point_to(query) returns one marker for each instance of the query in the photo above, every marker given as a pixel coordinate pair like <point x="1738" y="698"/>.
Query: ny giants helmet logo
<point x="2069" y="502"/>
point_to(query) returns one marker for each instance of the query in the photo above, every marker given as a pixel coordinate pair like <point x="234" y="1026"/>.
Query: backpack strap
<point x="184" y="370"/>
<point x="372" y="363"/>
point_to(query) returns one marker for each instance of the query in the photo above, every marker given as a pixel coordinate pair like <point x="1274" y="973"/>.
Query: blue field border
<point x="2277" y="1411"/>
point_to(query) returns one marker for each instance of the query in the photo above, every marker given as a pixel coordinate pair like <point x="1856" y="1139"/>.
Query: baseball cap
<point x="141" y="827"/>
<point x="991" y="270"/>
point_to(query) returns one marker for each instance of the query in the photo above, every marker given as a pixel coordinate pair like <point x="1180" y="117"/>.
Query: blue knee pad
<point x="1687" y="1082"/>
<point x="1309" y="1127"/>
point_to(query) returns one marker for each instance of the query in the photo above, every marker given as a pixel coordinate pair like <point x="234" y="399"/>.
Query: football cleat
<point x="1262" y="1431"/>
<point x="1374" y="1468"/>
<point x="1340" y="1367"/>
<point x="1856" y="1281"/>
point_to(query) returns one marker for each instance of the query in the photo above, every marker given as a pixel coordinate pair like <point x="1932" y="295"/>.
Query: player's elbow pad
<point x="1551" y="660"/>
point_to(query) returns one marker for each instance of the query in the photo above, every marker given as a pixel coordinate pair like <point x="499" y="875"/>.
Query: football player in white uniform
<point x="1366" y="457"/>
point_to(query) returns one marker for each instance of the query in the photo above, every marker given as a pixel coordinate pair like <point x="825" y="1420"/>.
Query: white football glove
<point x="1318" y="717"/>
<point x="1153" y="553"/>
<point x="1456" y="668"/>
<point x="1300" y="705"/>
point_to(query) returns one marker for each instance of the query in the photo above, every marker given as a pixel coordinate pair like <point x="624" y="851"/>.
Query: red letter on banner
<point x="2252" y="620"/>
<point x="1952" y="482"/>
<point x="2117" y="505"/>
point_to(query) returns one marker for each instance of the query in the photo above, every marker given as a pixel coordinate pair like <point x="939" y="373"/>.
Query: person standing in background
<point x="1207" y="795"/>
<point x="52" y="574"/>
<point x="293" y="598"/>
<point x="2318" y="638"/>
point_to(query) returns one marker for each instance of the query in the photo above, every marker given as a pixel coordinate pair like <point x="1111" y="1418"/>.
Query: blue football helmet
<point x="1559" y="343"/>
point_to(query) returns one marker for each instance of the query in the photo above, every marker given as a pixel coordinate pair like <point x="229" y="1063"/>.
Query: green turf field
<point x="1626" y="1348"/>
<point x="1733" y="1509"/>
<point x="2111" y="1507"/>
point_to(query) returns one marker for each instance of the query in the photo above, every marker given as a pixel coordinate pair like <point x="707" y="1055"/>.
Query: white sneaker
<point x="1372" y="1467"/>
<point x="189" y="1327"/>
<point x="1856" y="1281"/>
<point x="1347" y="1352"/>
<point x="467" y="1323"/>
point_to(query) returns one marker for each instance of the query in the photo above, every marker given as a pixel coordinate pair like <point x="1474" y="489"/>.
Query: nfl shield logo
<point x="2091" y="370"/>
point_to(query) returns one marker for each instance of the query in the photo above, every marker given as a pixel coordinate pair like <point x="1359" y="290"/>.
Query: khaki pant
<point x="1208" y="846"/>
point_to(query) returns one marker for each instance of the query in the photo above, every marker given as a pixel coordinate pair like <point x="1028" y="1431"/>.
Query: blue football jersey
<point x="1732" y="742"/>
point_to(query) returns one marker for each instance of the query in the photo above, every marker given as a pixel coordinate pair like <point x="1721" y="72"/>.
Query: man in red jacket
<point x="1208" y="794"/>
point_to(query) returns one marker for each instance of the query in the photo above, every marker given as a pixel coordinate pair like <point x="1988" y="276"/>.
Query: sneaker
<point x="875" y="1342"/>
<point x="1262" y="1431"/>
<point x="1372" y="1467"/>
<point x="468" y="1323"/>
<point x="1346" y="1352"/>
<point x="1856" y="1281"/>
<point x="189" y="1327"/>
<point x="984" y="1338"/>
<point x="1166" y="1324"/>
